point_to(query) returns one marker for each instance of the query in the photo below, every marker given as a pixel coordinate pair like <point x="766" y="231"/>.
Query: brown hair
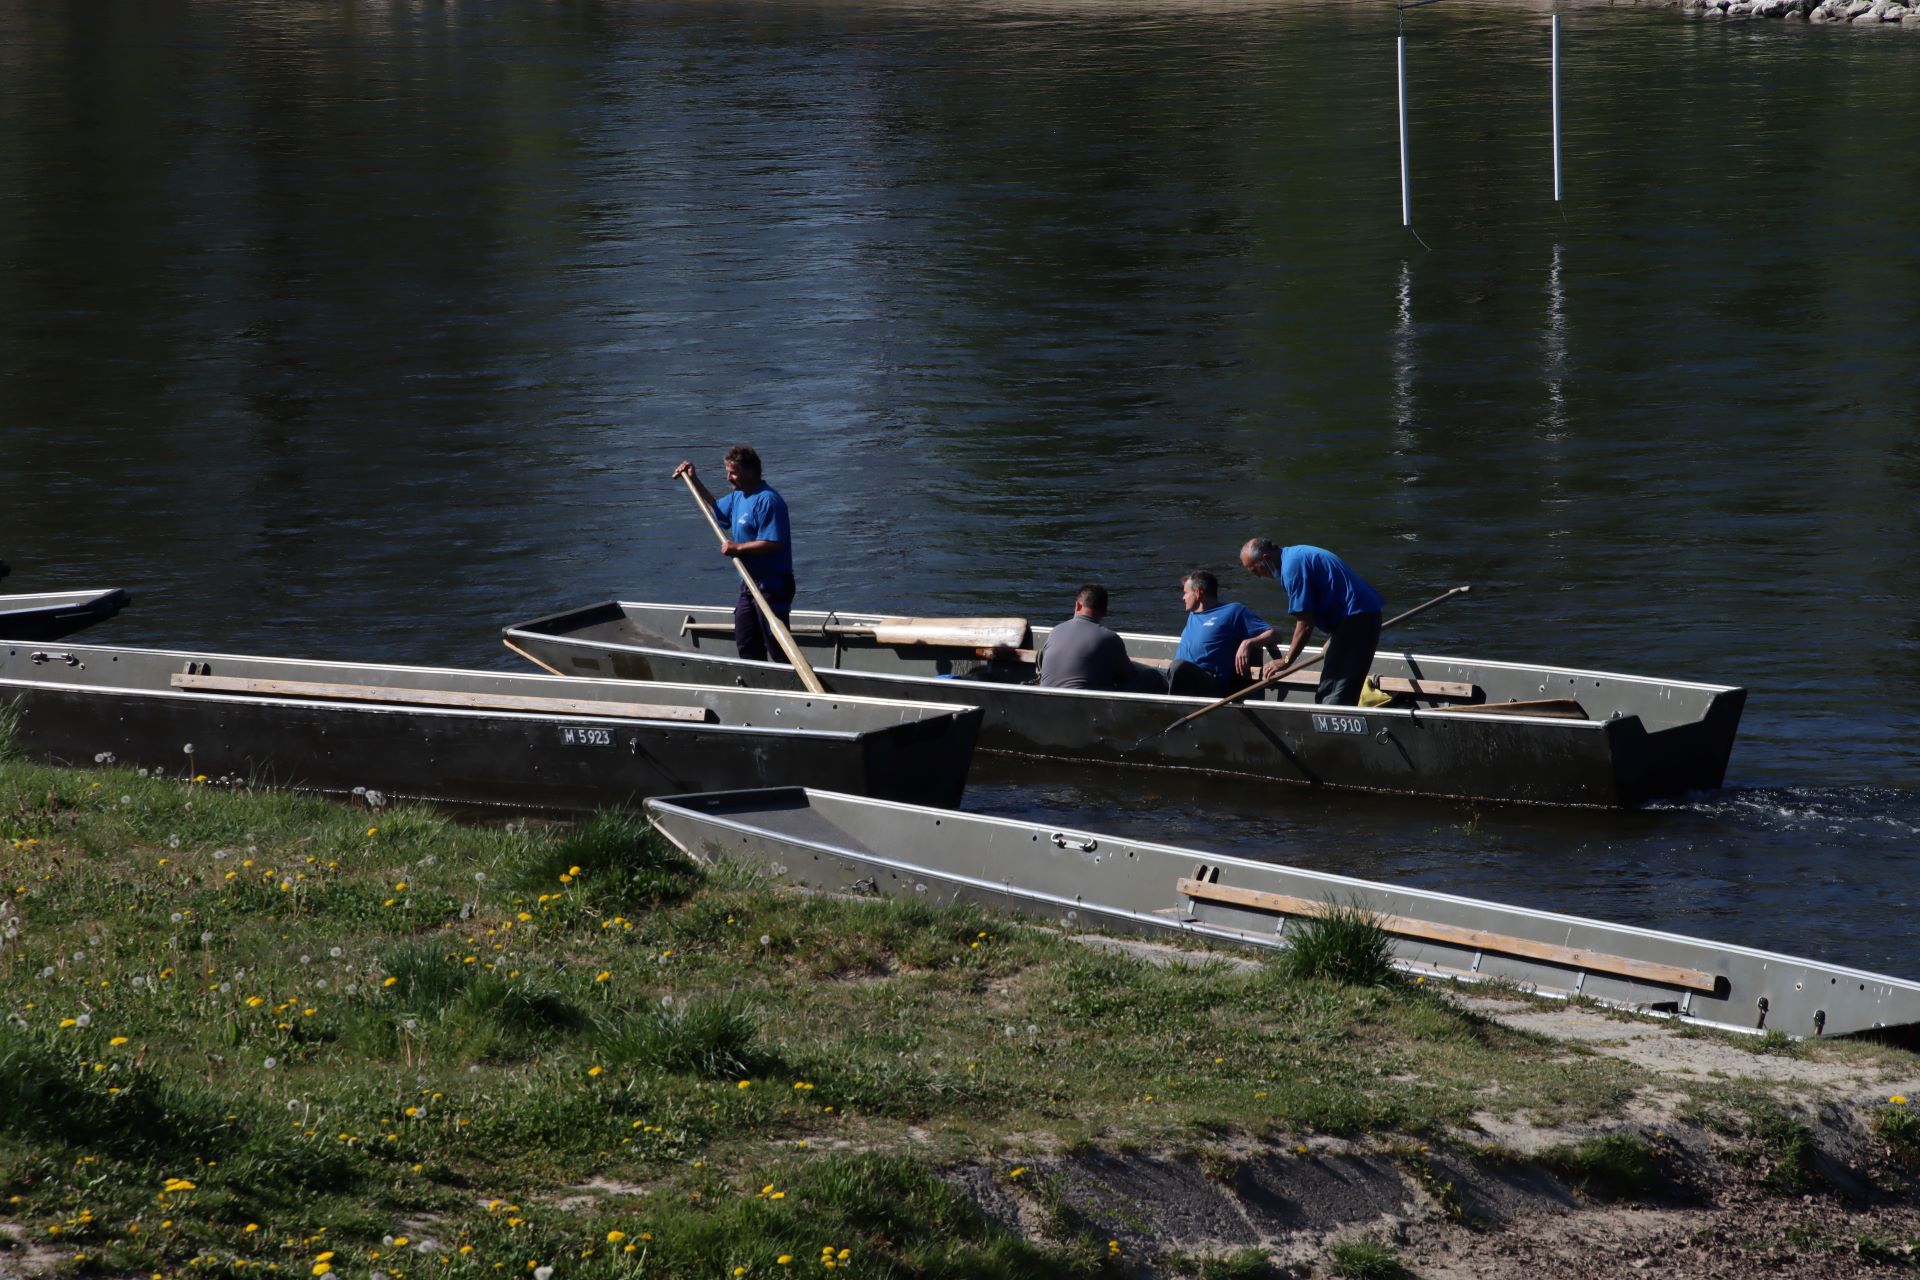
<point x="743" y="457"/>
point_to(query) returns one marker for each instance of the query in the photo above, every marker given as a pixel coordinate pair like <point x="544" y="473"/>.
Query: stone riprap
<point x="1869" y="12"/>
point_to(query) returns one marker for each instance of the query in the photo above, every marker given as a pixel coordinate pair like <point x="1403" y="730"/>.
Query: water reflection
<point x="359" y="332"/>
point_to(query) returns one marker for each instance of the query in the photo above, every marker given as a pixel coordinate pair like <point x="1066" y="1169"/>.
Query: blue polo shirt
<point x="1213" y="636"/>
<point x="751" y="517"/>
<point x="1318" y="582"/>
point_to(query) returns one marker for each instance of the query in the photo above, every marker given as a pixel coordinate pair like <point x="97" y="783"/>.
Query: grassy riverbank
<point x="255" y="1032"/>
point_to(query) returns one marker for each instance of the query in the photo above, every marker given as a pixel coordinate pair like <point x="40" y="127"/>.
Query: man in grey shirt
<point x="1082" y="654"/>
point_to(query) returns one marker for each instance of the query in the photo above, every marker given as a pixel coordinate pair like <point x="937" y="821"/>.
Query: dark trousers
<point x="1350" y="649"/>
<point x="751" y="635"/>
<point x="1188" y="680"/>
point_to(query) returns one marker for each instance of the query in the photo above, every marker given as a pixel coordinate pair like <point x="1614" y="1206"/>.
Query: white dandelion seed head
<point x="84" y="1020"/>
<point x="335" y="952"/>
<point x="188" y="748"/>
<point x="139" y="980"/>
<point x="271" y="1063"/>
<point x="666" y="1002"/>
<point x="47" y="972"/>
<point x="173" y="842"/>
<point x="126" y="800"/>
<point x="219" y="855"/>
<point x="353" y="988"/>
<point x="206" y="937"/>
<point x="175" y="918"/>
<point x="543" y="1273"/>
<point x="306" y="959"/>
<point x="479" y="877"/>
<point x="225" y="987"/>
<point x="78" y="956"/>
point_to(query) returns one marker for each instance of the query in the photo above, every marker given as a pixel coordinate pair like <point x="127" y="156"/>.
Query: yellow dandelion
<point x="593" y="1071"/>
<point x="615" y="1237"/>
<point x="389" y="982"/>
<point x="603" y="975"/>
<point x="744" y="1084"/>
<point x="117" y="1041"/>
<point x="784" y="1259"/>
<point x="1898" y="1099"/>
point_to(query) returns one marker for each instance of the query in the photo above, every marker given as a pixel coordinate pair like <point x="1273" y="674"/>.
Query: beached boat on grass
<point x="466" y="737"/>
<point x="1084" y="881"/>
<point x="1461" y="727"/>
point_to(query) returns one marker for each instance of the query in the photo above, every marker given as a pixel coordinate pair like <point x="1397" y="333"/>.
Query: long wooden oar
<point x="779" y="628"/>
<point x="1284" y="672"/>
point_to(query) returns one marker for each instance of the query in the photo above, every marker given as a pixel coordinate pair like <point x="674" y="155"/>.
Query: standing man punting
<point x="761" y="537"/>
<point x="1322" y="592"/>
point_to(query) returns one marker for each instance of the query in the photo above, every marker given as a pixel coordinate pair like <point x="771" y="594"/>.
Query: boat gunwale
<point x="10" y="603"/>
<point x="1252" y="704"/>
<point x="1236" y="862"/>
<point x="1494" y="663"/>
<point x="558" y="682"/>
<point x="219" y="698"/>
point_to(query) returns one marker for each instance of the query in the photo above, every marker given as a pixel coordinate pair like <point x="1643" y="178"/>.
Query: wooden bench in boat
<point x="1202" y="890"/>
<point x="988" y="635"/>
<point x="442" y="698"/>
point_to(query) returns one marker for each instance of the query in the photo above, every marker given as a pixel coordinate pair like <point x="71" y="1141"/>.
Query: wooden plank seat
<point x="1456" y="935"/>
<point x="990" y="634"/>
<point x="442" y="698"/>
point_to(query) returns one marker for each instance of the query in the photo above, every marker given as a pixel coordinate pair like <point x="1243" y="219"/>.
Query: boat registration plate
<point x="587" y="737"/>
<point x="1338" y="724"/>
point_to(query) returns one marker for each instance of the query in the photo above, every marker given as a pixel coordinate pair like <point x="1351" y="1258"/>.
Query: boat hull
<point x="1083" y="880"/>
<point x="1636" y="750"/>
<point x="54" y="614"/>
<point x="81" y="703"/>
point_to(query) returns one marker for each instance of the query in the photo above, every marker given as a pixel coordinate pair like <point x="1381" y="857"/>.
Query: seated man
<point x="1082" y="654"/>
<point x="1217" y="644"/>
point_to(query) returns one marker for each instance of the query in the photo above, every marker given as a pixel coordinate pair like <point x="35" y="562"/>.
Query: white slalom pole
<point x="1556" y="108"/>
<point x="1406" y="197"/>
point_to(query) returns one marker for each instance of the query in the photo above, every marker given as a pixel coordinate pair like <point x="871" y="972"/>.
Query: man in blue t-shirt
<point x="1322" y="592"/>
<point x="1216" y="646"/>
<point x="758" y="534"/>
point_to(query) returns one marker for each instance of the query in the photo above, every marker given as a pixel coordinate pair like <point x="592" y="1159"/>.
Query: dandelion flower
<point x="1898" y="1099"/>
<point x="389" y="982"/>
<point x="321" y="1268"/>
<point x="784" y="1259"/>
<point x="593" y="1071"/>
<point x="615" y="1237"/>
<point x="603" y="975"/>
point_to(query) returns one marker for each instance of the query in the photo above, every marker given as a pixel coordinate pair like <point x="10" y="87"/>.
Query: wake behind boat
<point x="1460" y="727"/>
<point x="466" y="737"/>
<point x="1083" y="880"/>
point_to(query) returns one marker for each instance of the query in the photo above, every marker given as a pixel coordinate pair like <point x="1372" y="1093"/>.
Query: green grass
<point x="1899" y="1128"/>
<point x="1343" y="944"/>
<point x="1615" y="1166"/>
<point x="343" y="1026"/>
<point x="1365" y="1260"/>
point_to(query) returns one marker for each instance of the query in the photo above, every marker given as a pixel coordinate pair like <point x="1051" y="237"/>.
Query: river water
<point x="360" y="331"/>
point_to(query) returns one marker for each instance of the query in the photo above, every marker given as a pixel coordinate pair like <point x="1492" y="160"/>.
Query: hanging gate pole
<point x="1406" y="197"/>
<point x="1556" y="108"/>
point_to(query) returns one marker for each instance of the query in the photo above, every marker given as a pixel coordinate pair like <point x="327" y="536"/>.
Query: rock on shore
<point x="1867" y="12"/>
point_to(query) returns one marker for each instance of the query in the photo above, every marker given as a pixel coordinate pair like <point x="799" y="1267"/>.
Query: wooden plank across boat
<point x="1459" y="728"/>
<point x="1084" y="880"/>
<point x="468" y="737"/>
<point x="49" y="615"/>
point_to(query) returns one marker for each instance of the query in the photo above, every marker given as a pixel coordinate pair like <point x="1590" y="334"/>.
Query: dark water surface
<point x="360" y="331"/>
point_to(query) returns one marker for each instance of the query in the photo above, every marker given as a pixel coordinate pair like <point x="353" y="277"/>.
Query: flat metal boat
<point x="466" y="737"/>
<point x="1458" y="727"/>
<point x="1084" y="881"/>
<point x="49" y="615"/>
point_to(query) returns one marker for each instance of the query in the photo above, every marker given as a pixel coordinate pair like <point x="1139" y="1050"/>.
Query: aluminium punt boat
<point x="1459" y="728"/>
<point x="466" y="737"/>
<point x="49" y="615"/>
<point x="1082" y="880"/>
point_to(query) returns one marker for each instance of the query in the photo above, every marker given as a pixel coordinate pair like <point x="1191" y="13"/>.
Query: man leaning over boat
<point x="1322" y="592"/>
<point x="760" y="535"/>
